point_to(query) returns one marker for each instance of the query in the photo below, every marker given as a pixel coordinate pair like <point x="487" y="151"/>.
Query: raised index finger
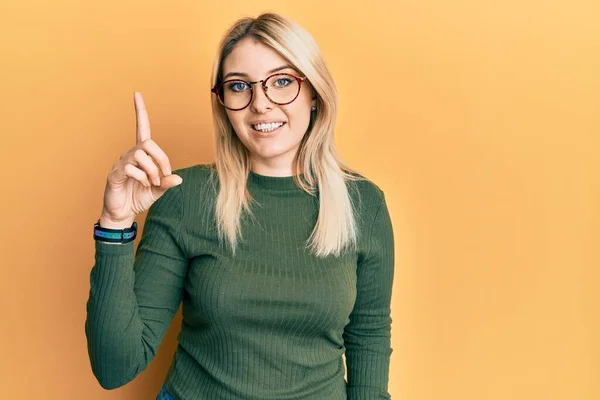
<point x="141" y="117"/>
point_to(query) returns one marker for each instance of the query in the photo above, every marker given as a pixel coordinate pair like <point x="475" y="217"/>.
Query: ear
<point x="313" y="102"/>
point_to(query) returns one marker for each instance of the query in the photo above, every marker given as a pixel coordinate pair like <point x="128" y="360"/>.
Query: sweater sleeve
<point x="132" y="299"/>
<point x="367" y="336"/>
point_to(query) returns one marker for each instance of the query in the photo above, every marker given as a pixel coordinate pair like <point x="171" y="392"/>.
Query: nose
<point x="260" y="102"/>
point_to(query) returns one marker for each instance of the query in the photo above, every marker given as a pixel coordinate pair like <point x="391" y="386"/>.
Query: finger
<point x="122" y="173"/>
<point x="146" y="164"/>
<point x="137" y="174"/>
<point x="141" y="118"/>
<point x="158" y="155"/>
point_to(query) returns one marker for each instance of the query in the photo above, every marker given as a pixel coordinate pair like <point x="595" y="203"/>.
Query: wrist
<point x="110" y="224"/>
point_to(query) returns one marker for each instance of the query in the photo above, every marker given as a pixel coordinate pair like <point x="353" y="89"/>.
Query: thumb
<point x="168" y="182"/>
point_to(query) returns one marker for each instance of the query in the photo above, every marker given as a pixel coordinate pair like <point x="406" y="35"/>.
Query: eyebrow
<point x="270" y="72"/>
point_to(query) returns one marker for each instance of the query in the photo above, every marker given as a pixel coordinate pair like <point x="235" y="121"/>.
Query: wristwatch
<point x="115" y="235"/>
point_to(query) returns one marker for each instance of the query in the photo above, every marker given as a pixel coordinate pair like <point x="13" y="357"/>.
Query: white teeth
<point x="267" y="127"/>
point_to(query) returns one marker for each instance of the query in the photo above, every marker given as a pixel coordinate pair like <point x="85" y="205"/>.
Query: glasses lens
<point x="282" y="88"/>
<point x="235" y="94"/>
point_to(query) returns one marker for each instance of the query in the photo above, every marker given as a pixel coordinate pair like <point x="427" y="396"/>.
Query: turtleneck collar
<point x="278" y="183"/>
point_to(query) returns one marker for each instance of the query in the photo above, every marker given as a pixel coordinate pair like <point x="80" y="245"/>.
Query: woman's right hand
<point x="134" y="183"/>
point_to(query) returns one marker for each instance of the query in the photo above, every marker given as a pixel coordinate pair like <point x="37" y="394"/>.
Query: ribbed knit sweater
<point x="271" y="322"/>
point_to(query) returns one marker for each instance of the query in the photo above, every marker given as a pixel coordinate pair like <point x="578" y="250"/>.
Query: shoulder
<point x="197" y="176"/>
<point x="197" y="172"/>
<point x="366" y="195"/>
<point x="200" y="183"/>
<point x="365" y="189"/>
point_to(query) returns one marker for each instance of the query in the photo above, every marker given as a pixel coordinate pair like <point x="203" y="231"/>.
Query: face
<point x="271" y="153"/>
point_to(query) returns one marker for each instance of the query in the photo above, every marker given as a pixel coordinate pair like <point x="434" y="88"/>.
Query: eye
<point x="237" y="86"/>
<point x="283" y="82"/>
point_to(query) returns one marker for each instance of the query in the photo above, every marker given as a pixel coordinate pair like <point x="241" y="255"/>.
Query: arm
<point x="132" y="300"/>
<point x="367" y="336"/>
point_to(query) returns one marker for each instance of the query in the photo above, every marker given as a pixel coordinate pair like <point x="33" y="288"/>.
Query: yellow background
<point x="479" y="120"/>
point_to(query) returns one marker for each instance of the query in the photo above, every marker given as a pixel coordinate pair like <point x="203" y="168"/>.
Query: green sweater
<point x="271" y="322"/>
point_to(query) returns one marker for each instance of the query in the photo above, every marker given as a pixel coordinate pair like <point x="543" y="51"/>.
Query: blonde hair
<point x="317" y="158"/>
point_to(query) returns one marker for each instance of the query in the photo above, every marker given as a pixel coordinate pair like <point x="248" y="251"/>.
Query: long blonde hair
<point x="317" y="158"/>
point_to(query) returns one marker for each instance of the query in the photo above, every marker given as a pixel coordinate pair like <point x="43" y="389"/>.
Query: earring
<point x="314" y="108"/>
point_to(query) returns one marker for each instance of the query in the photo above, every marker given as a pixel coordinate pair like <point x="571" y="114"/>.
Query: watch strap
<point x="115" y="235"/>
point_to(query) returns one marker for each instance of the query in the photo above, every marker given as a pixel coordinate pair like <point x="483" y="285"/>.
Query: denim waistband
<point x="164" y="394"/>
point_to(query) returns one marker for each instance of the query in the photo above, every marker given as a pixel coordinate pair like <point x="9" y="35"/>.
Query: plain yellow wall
<point x="479" y="119"/>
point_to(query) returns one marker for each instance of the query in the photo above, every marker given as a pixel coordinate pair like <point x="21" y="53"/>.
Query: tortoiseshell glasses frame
<point x="217" y="89"/>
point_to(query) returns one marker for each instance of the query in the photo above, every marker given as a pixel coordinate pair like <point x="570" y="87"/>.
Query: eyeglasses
<point x="237" y="94"/>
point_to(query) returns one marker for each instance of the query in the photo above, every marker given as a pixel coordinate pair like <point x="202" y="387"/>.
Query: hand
<point x="135" y="183"/>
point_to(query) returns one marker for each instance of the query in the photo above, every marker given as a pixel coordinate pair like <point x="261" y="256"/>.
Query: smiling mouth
<point x="267" y="128"/>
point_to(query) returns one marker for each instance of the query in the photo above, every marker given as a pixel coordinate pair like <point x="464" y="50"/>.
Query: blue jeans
<point x="164" y="395"/>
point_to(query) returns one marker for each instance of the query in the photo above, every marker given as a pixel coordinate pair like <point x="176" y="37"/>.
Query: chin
<point x="272" y="150"/>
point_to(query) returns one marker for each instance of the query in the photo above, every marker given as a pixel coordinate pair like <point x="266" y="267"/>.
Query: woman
<point x="282" y="255"/>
